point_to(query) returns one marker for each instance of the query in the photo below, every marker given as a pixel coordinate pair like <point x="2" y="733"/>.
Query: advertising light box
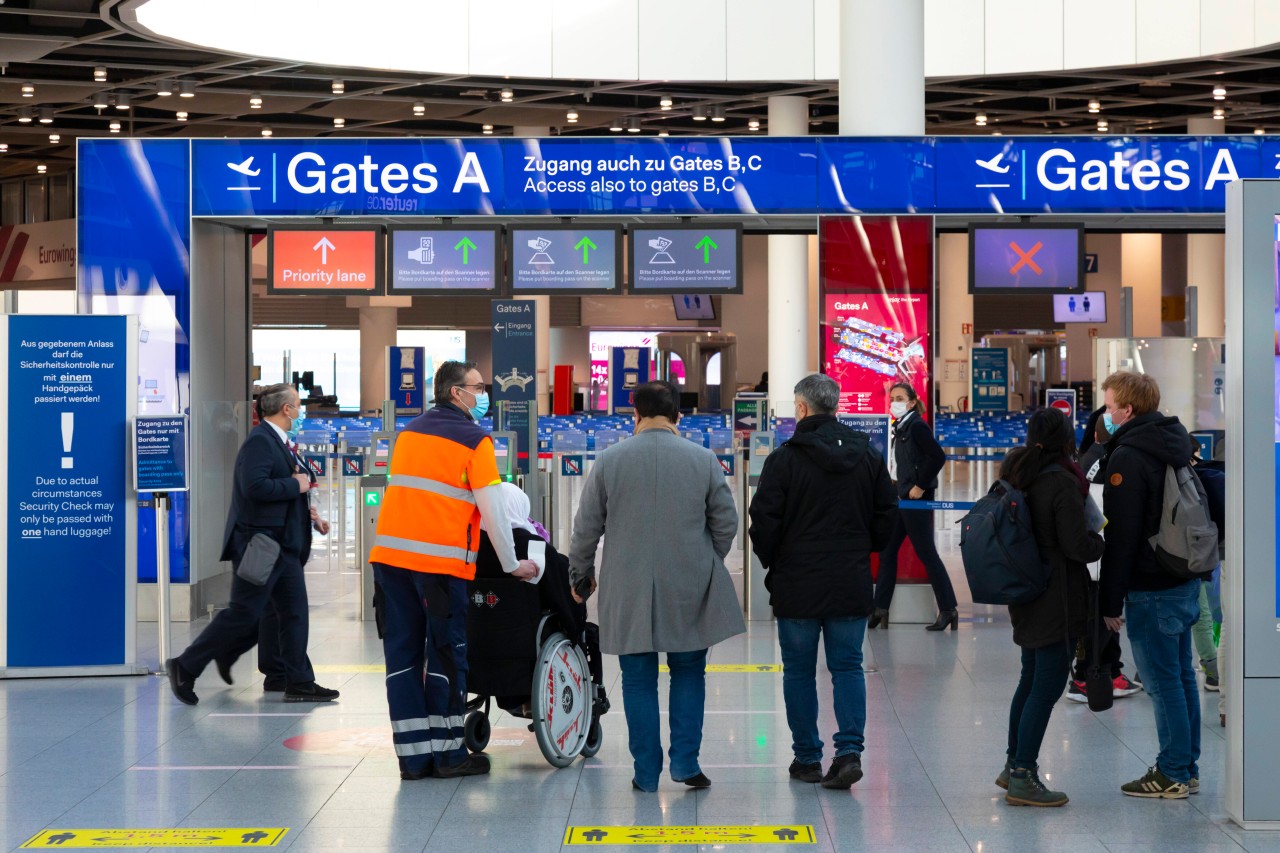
<point x="443" y="260"/>
<point x="873" y="341"/>
<point x="332" y="260"/>
<point x="685" y="259"/>
<point x="1012" y="259"/>
<point x="565" y="259"/>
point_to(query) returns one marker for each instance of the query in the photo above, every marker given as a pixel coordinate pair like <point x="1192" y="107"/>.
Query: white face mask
<point x="898" y="408"/>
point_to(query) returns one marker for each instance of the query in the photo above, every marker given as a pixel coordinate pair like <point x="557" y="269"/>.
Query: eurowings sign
<point x="727" y="176"/>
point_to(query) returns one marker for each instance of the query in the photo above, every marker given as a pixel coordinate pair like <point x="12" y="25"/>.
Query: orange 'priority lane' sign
<point x="325" y="260"/>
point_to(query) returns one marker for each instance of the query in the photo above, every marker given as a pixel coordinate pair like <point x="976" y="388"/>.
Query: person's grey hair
<point x="274" y="397"/>
<point x="450" y="375"/>
<point x="820" y="392"/>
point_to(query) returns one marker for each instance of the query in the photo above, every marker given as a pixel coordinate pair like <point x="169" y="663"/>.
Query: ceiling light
<point x="164" y="88"/>
<point x="4" y="147"/>
<point x="186" y="89"/>
<point x="100" y="73"/>
<point x="571" y="116"/>
<point x="122" y="101"/>
<point x="1219" y="93"/>
<point x="255" y="101"/>
<point x="753" y="124"/>
<point x="717" y="114"/>
<point x="487" y="129"/>
<point x="266" y="131"/>
<point x="100" y="101"/>
<point x="182" y="115"/>
<point x="996" y="133"/>
<point x="663" y="133"/>
<point x="507" y="96"/>
<point x="665" y="102"/>
<point x="54" y="139"/>
<point x="1259" y="131"/>
<point x="28" y="90"/>
<point x="419" y="109"/>
<point x="1103" y="127"/>
<point x="633" y="125"/>
<point x="1095" y="106"/>
<point x="46" y="115"/>
<point x="114" y="127"/>
<point x="615" y="125"/>
<point x="338" y="87"/>
<point x="699" y="113"/>
<point x="980" y="119"/>
<point x="1219" y="113"/>
<point x="42" y="168"/>
<point x="24" y="115"/>
<point x="339" y="122"/>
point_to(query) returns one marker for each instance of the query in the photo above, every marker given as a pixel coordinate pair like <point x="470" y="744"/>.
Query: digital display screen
<point x="443" y="260"/>
<point x="875" y="340"/>
<point x="694" y="306"/>
<point x="332" y="260"/>
<point x="1006" y="259"/>
<point x="557" y="259"/>
<point x="686" y="259"/>
<point x="1087" y="307"/>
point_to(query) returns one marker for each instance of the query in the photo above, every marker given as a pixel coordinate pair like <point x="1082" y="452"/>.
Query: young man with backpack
<point x="1159" y="608"/>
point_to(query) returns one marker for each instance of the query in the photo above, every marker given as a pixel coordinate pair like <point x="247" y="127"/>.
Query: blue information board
<point x="68" y="567"/>
<point x="407" y="373"/>
<point x="515" y="365"/>
<point x="875" y="426"/>
<point x="628" y="369"/>
<point x="160" y="453"/>
<point x="989" y="376"/>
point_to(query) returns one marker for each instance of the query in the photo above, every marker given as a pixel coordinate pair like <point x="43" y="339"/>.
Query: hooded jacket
<point x="1132" y="498"/>
<point x="824" y="504"/>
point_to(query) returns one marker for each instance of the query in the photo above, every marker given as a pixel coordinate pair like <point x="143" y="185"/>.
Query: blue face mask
<point x="1108" y="423"/>
<point x="295" y="426"/>
<point x="481" y="408"/>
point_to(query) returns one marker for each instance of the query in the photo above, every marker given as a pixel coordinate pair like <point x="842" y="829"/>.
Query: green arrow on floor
<point x="466" y="246"/>
<point x="586" y="246"/>
<point x="706" y="244"/>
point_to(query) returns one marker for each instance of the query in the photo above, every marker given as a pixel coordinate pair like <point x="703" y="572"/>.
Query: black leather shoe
<point x="845" y="771"/>
<point x="811" y="773"/>
<point x="271" y="685"/>
<point x="181" y="682"/>
<point x="472" y="765"/>
<point x="879" y="619"/>
<point x="946" y="619"/>
<point x="309" y="692"/>
<point x="698" y="781"/>
<point x="224" y="670"/>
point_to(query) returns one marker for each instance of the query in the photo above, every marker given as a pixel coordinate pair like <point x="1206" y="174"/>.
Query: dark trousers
<point x="1110" y="653"/>
<point x="234" y="630"/>
<point x="270" y="650"/>
<point x="425" y="645"/>
<point x="1044" y="678"/>
<point x="916" y="524"/>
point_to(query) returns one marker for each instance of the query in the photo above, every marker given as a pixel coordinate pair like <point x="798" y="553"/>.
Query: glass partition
<point x="1191" y="372"/>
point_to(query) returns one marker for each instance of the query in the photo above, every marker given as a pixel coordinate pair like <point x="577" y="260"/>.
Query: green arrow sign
<point x="466" y="246"/>
<point x="706" y="244"/>
<point x="586" y="246"/>
<point x="371" y="499"/>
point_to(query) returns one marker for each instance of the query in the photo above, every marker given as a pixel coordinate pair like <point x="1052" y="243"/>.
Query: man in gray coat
<point x="671" y="521"/>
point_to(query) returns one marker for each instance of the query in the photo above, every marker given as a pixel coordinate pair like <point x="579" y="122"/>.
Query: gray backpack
<point x="1186" y="545"/>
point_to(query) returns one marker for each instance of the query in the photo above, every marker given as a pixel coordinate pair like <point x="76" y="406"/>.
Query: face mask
<point x="897" y="408"/>
<point x="1109" y="423"/>
<point x="295" y="426"/>
<point x="481" y="408"/>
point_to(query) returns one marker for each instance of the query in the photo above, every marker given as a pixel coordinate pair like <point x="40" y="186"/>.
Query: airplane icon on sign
<point x="245" y="168"/>
<point x="992" y="165"/>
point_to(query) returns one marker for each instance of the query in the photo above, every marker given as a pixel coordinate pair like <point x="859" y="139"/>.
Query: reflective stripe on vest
<point x="435" y="487"/>
<point x="426" y="549"/>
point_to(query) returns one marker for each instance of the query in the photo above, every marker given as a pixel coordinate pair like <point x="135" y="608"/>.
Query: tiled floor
<point x="81" y="753"/>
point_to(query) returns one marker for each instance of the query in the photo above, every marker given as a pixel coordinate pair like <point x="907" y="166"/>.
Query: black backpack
<point x="1001" y="558"/>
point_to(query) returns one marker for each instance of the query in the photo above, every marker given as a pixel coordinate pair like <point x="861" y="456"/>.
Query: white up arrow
<point x="324" y="246"/>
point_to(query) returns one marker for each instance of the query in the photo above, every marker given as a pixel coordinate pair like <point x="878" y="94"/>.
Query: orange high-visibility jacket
<point x="429" y="520"/>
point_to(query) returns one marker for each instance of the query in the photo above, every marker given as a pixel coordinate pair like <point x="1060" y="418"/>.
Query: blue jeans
<point x="1159" y="626"/>
<point x="1044" y="677"/>
<point x="640" y="702"/>
<point x="842" y="638"/>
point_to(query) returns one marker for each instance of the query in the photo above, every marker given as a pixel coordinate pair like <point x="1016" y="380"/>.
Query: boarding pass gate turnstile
<point x="755" y="598"/>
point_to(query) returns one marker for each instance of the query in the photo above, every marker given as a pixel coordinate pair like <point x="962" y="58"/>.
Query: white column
<point x="788" y="282"/>
<point x="542" y="303"/>
<point x="881" y="68"/>
<point x="1206" y="258"/>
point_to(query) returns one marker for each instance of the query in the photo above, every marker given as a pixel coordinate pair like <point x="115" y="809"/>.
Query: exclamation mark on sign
<point x="68" y="429"/>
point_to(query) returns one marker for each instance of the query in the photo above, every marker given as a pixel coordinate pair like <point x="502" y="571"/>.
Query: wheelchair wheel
<point x="561" y="696"/>
<point x="595" y="739"/>
<point x="476" y="731"/>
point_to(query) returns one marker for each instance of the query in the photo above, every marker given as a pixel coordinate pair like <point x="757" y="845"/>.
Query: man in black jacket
<point x="824" y="504"/>
<point x="270" y="497"/>
<point x="1158" y="607"/>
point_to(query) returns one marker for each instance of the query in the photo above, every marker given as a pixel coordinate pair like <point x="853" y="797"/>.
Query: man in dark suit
<point x="269" y="496"/>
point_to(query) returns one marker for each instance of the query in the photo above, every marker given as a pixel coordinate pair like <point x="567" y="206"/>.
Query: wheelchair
<point x="527" y="661"/>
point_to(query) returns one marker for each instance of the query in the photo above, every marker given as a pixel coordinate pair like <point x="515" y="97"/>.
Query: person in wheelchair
<point x="505" y="615"/>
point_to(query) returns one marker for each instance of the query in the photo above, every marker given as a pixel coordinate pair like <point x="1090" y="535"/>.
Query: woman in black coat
<point x="1047" y="628"/>
<point x="918" y="459"/>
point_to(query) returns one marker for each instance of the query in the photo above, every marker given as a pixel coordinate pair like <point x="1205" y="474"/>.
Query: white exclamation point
<point x="68" y="429"/>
